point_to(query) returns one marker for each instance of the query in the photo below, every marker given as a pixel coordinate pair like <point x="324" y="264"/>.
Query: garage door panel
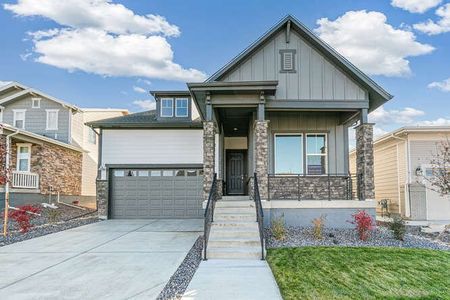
<point x="148" y="193"/>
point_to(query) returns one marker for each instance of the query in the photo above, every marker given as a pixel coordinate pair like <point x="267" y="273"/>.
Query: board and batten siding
<point x="312" y="122"/>
<point x="155" y="146"/>
<point x="36" y="118"/>
<point x="315" y="78"/>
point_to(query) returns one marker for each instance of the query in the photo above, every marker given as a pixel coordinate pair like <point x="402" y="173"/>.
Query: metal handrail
<point x="259" y="213"/>
<point x="209" y="214"/>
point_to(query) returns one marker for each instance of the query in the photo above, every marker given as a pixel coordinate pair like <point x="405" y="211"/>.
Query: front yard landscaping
<point x="361" y="273"/>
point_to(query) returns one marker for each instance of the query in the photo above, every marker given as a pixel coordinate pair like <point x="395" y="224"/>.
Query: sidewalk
<point x="233" y="279"/>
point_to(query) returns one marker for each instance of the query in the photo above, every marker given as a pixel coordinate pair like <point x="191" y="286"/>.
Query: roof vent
<point x="287" y="60"/>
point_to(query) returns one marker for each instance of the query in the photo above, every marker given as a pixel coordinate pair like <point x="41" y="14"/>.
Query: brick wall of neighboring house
<point x="59" y="168"/>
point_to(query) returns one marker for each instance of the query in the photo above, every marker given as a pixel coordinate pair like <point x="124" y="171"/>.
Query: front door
<point x="235" y="172"/>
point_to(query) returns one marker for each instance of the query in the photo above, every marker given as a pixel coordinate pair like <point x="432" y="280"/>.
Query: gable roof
<point x="377" y="94"/>
<point x="27" y="90"/>
<point x="146" y="119"/>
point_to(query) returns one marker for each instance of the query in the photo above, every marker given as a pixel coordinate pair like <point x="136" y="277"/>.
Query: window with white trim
<point x="35" y="102"/>
<point x="288" y="153"/>
<point x="181" y="107"/>
<point x="52" y="119"/>
<point x="1" y="114"/>
<point x="19" y="118"/>
<point x="23" y="157"/>
<point x="316" y="153"/>
<point x="92" y="136"/>
<point x="166" y="107"/>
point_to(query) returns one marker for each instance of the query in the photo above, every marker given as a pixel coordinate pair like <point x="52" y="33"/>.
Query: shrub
<point x="318" y="225"/>
<point x="398" y="227"/>
<point x="23" y="217"/>
<point x="364" y="224"/>
<point x="278" y="228"/>
<point x="53" y="215"/>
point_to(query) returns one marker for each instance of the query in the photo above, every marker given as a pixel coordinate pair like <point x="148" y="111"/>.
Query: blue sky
<point x="84" y="49"/>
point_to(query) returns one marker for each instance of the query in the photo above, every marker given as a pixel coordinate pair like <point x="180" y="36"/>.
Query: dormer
<point x="173" y="105"/>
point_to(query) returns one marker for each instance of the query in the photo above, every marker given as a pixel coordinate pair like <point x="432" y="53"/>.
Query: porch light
<point x="419" y="171"/>
<point x="235" y="129"/>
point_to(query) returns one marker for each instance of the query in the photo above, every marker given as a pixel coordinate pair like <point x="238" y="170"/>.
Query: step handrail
<point x="209" y="214"/>
<point x="259" y="213"/>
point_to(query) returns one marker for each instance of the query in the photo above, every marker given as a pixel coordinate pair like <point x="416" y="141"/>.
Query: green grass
<point x="360" y="273"/>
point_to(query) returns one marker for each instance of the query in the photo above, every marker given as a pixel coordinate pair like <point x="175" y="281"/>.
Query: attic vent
<point x="287" y="60"/>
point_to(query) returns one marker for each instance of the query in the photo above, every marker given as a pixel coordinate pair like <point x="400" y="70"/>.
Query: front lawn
<point x="360" y="273"/>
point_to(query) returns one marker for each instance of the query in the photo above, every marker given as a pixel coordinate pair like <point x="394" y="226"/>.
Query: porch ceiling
<point x="235" y="121"/>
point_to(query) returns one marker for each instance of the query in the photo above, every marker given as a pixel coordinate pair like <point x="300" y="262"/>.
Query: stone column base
<point x="102" y="199"/>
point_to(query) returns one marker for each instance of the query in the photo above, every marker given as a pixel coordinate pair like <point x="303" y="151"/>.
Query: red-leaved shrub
<point x="364" y="224"/>
<point x="23" y="217"/>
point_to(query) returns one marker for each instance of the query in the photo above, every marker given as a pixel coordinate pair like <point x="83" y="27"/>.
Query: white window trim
<point x="301" y="157"/>
<point x="38" y="101"/>
<point x="322" y="154"/>
<point x="15" y="111"/>
<point x="187" y="107"/>
<point x="23" y="145"/>
<point x="161" y="107"/>
<point x="1" y="114"/>
<point x="47" y="127"/>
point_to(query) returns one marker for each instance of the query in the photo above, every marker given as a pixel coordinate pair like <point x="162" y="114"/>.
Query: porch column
<point x="209" y="148"/>
<point x="261" y="152"/>
<point x="364" y="161"/>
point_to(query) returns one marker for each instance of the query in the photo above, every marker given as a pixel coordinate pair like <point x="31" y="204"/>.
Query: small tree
<point x="439" y="179"/>
<point x="5" y="176"/>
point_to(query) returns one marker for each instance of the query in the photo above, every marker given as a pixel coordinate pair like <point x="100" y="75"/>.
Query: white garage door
<point x="156" y="193"/>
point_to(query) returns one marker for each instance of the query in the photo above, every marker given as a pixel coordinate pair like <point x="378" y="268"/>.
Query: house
<point x="402" y="158"/>
<point x="52" y="151"/>
<point x="280" y="109"/>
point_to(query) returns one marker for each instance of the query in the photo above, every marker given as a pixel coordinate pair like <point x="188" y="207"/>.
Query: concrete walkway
<point x="114" y="259"/>
<point x="233" y="279"/>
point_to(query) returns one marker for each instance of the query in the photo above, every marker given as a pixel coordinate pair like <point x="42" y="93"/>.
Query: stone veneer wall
<point x="209" y="149"/>
<point x="309" y="188"/>
<point x="261" y="156"/>
<point x="365" y="162"/>
<point x="102" y="198"/>
<point x="2" y="158"/>
<point x="59" y="168"/>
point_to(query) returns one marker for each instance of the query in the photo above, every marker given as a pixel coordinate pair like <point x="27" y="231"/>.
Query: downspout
<point x="7" y="175"/>
<point x="408" y="173"/>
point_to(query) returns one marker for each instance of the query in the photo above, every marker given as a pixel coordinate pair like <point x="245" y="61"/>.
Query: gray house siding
<point x="315" y="78"/>
<point x="420" y="153"/>
<point x="36" y="118"/>
<point x="310" y="122"/>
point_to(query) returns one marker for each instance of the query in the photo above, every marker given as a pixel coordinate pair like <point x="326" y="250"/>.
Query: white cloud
<point x="145" y="104"/>
<point x="95" y="51"/>
<point x="372" y="44"/>
<point x="3" y="83"/>
<point x="104" y="38"/>
<point x="441" y="26"/>
<point x="388" y="117"/>
<point x="437" y="122"/>
<point x="138" y="89"/>
<point x="101" y="14"/>
<point x="415" y="6"/>
<point x="441" y="85"/>
<point x="147" y="82"/>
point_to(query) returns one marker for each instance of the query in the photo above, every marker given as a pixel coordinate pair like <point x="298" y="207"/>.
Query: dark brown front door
<point x="235" y="172"/>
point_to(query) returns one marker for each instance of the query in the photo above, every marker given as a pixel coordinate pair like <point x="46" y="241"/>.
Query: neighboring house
<point x="280" y="109"/>
<point x="55" y="131"/>
<point x="401" y="158"/>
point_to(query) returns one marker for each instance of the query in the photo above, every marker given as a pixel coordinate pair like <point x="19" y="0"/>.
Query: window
<point x="23" y="157"/>
<point x="1" y="114"/>
<point x="288" y="153"/>
<point x="35" y="102"/>
<point x="166" y="107"/>
<point x="287" y="60"/>
<point x="92" y="136"/>
<point x="119" y="173"/>
<point x="143" y="173"/>
<point x="154" y="173"/>
<point x="179" y="173"/>
<point x="181" y="107"/>
<point x="52" y="119"/>
<point x="167" y="173"/>
<point x="19" y="118"/>
<point x="316" y="154"/>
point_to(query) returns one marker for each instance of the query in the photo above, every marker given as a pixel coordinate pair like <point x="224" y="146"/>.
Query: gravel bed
<point x="380" y="237"/>
<point x="49" y="221"/>
<point x="180" y="280"/>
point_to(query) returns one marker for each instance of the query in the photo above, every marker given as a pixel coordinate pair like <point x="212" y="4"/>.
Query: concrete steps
<point x="234" y="233"/>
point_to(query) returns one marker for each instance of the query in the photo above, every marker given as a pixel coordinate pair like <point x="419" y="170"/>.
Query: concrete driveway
<point x="114" y="259"/>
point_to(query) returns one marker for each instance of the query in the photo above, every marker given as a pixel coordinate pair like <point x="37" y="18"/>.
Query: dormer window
<point x="181" y="107"/>
<point x="287" y="61"/>
<point x="166" y="107"/>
